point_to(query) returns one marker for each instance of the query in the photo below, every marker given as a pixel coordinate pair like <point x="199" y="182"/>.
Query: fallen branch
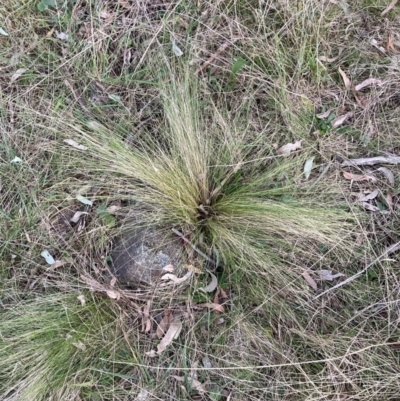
<point x="370" y="161"/>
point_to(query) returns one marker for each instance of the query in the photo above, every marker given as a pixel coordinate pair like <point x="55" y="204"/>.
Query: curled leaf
<point x="370" y="196"/>
<point x="338" y="121"/>
<point x="75" y="218"/>
<point x="326" y="114"/>
<point x="17" y="74"/>
<point x="368" y="82"/>
<point x="212" y="285"/>
<point x="74" y="144"/>
<point x="359" y="177"/>
<point x="310" y="281"/>
<point x="308" y="167"/>
<point x="175" y="279"/>
<point x="327" y="275"/>
<point x="172" y="333"/>
<point x="286" y="149"/>
<point x="387" y="173"/>
<point x="371" y="208"/>
<point x="49" y="259"/>
<point x="346" y="80"/>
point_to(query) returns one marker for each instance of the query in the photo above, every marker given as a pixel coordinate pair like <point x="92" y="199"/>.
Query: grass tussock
<point x="189" y="143"/>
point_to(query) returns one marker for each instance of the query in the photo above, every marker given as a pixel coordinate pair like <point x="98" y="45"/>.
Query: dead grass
<point x="276" y="342"/>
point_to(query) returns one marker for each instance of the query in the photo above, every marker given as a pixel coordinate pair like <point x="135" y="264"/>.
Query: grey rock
<point x="139" y="256"/>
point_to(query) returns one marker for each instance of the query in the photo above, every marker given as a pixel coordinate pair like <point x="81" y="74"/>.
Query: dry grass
<point x="166" y="135"/>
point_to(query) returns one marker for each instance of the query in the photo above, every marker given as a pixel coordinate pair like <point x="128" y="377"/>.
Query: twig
<point x="370" y="161"/>
<point x="387" y="251"/>
<point x="206" y="257"/>
<point x="215" y="55"/>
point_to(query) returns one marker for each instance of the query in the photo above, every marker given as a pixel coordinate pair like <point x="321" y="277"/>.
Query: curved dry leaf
<point x="175" y="279"/>
<point x="389" y="200"/>
<point x="212" y="286"/>
<point x="82" y="299"/>
<point x="17" y="74"/>
<point x="164" y="324"/>
<point x="286" y="149"/>
<point x="172" y="333"/>
<point x="168" y="268"/>
<point x="326" y="114"/>
<point x="113" y="294"/>
<point x="327" y="275"/>
<point x="215" y="307"/>
<point x="371" y="208"/>
<point x="310" y="281"/>
<point x="75" y="218"/>
<point x="146" y="322"/>
<point x="346" y="80"/>
<point x="359" y="177"/>
<point x="338" y="121"/>
<point x="368" y="82"/>
<point x="308" y="167"/>
<point x="74" y="144"/>
<point x="194" y="384"/>
<point x="372" y="195"/>
<point x="387" y="173"/>
<point x="49" y="259"/>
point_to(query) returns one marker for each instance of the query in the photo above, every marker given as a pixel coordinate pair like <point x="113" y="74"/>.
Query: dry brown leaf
<point x="113" y="209"/>
<point x="387" y="173"/>
<point x="75" y="218"/>
<point x="212" y="286"/>
<point x="82" y="299"/>
<point x="368" y="82"/>
<point x="327" y="275"/>
<point x="359" y="177"/>
<point x="310" y="280"/>
<point x="389" y="7"/>
<point x="113" y="294"/>
<point x="168" y="268"/>
<point x="146" y="321"/>
<point x="193" y="383"/>
<point x="175" y="279"/>
<point x="346" y="80"/>
<point x="371" y="208"/>
<point x="389" y="200"/>
<point x="215" y="307"/>
<point x="100" y="287"/>
<point x="113" y="282"/>
<point x="338" y="121"/>
<point x="390" y="45"/>
<point x="370" y="196"/>
<point x="74" y="144"/>
<point x="172" y="333"/>
<point x="17" y="74"/>
<point x="286" y="149"/>
<point x="324" y="115"/>
<point x="164" y="324"/>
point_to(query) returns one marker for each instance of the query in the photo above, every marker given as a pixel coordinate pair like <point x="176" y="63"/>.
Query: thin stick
<point x="206" y="257"/>
<point x="215" y="55"/>
<point x="387" y="251"/>
<point x="370" y="161"/>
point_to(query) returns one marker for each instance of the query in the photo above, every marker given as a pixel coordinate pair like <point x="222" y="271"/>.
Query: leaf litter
<point x="328" y="276"/>
<point x="310" y="281"/>
<point x="359" y="177"/>
<point x="290" y="147"/>
<point x="212" y="285"/>
<point x="308" y="167"/>
<point x="171" y="334"/>
<point x="388" y="174"/>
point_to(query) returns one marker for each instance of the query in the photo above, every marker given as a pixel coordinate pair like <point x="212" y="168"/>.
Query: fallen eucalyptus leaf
<point x="74" y="144"/>
<point x="211" y="305"/>
<point x="327" y="275"/>
<point x="359" y="177"/>
<point x="82" y="299"/>
<point x="17" y="74"/>
<point x="371" y="208"/>
<point x="175" y="279"/>
<point x="49" y="259"/>
<point x="308" y="167"/>
<point x="16" y="160"/>
<point x="164" y="324"/>
<point x="326" y="114"/>
<point x="194" y="384"/>
<point x="62" y="35"/>
<point x="172" y="333"/>
<point x="3" y="32"/>
<point x="338" y="121"/>
<point x="368" y="82"/>
<point x="75" y="218"/>
<point x="286" y="149"/>
<point x="177" y="51"/>
<point x="212" y="286"/>
<point x="168" y="268"/>
<point x="346" y="80"/>
<point x="387" y="173"/>
<point x="370" y="196"/>
<point x="84" y="200"/>
<point x="310" y="281"/>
